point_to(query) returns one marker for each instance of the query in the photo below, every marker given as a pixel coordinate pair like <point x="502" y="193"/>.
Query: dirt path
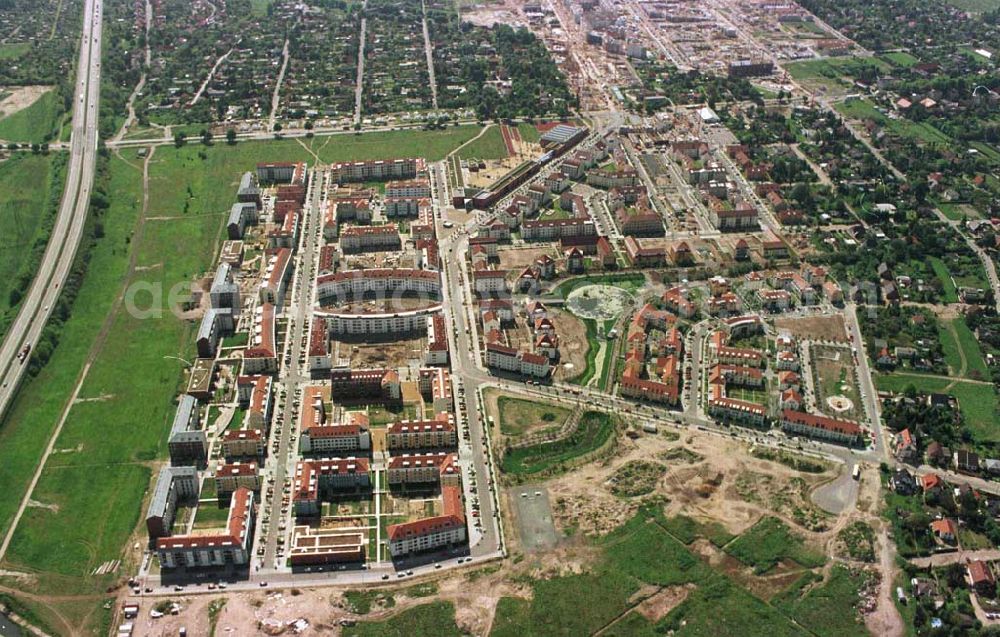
<point x="276" y="97"/>
<point x="215" y="67"/>
<point x="885" y="619"/>
<point x="987" y="555"/>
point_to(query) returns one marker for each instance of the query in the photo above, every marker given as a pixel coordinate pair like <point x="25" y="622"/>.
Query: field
<point x="594" y="430"/>
<point x="489" y="146"/>
<point x="961" y="350"/>
<point x="901" y="58"/>
<point x="437" y="618"/>
<point x="769" y="542"/>
<point x="949" y="294"/>
<point x="975" y="6"/>
<point x="517" y="416"/>
<point x="28" y="201"/>
<point x="977" y="401"/>
<point x="13" y="51"/>
<point x="617" y="595"/>
<point x="34" y="124"/>
<point x="829" y="72"/>
<point x="921" y="132"/>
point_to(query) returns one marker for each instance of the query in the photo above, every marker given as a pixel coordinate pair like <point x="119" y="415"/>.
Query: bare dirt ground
<point x="829" y="328"/>
<point x="20" y="98"/>
<point x="395" y="354"/>
<point x="572" y="343"/>
<point x="519" y="258"/>
<point x="656" y="607"/>
<point x="724" y="484"/>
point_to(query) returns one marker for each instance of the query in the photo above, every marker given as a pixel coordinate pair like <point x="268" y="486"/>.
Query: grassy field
<point x="518" y="415"/>
<point x="964" y="345"/>
<point x="594" y="430"/>
<point x="10" y="52"/>
<point x="975" y="6"/>
<point x="593" y="347"/>
<point x="528" y="132"/>
<point x="489" y="146"/>
<point x="901" y="58"/>
<point x="35" y="124"/>
<point x="949" y="294"/>
<point x="687" y="530"/>
<point x="28" y="202"/>
<point x="916" y="131"/>
<point x="768" y="542"/>
<point x="977" y="401"/>
<point x="437" y="618"/>
<point x="824" y="609"/>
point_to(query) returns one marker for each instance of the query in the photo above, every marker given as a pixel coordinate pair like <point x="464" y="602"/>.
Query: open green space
<point x="862" y="109"/>
<point x="949" y="293"/>
<point x="210" y="515"/>
<point x="14" y="50"/>
<point x="768" y="542"/>
<point x="489" y="146"/>
<point x="528" y="132"/>
<point x="595" y="429"/>
<point x="687" y="530"/>
<point x="977" y="401"/>
<point x="28" y="204"/>
<point x="643" y="553"/>
<point x="436" y="618"/>
<point x="593" y="348"/>
<point x="961" y="350"/>
<point x="958" y="211"/>
<point x="518" y="415"/>
<point x="37" y="123"/>
<point x="826" y="610"/>
<point x="975" y="6"/>
<point x="901" y="58"/>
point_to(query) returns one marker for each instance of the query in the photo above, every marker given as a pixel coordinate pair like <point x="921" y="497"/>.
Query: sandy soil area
<point x="21" y="98"/>
<point x="829" y="328"/>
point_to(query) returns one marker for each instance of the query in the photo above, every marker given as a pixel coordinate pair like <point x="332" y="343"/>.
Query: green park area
<point x="517" y="415"/>
<point x="595" y="429"/>
<point x="977" y="400"/>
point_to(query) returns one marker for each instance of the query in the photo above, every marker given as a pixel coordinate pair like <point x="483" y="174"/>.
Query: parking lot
<point x="534" y="517"/>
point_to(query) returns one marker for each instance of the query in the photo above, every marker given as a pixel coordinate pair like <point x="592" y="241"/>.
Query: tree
<point x="206" y="137"/>
<point x="179" y="139"/>
<point x="231" y="136"/>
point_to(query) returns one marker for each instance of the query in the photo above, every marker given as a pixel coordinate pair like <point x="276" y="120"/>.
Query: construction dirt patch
<point x="656" y="607"/>
<point x="815" y="328"/>
<point x="20" y="98"/>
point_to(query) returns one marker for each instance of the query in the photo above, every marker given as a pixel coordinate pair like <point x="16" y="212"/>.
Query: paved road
<point x="61" y="250"/>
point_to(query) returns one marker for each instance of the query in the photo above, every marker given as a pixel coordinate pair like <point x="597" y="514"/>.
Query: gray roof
<point x="223" y="276"/>
<point x="560" y="133"/>
<point x="237" y="211"/>
<point x="186" y="415"/>
<point x="161" y="492"/>
<point x="248" y="185"/>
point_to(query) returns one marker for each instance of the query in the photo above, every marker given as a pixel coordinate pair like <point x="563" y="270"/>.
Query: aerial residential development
<point x="568" y="317"/>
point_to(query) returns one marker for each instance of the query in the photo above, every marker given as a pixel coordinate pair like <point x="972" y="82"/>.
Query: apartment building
<point x="370" y="239"/>
<point x="437" y="341"/>
<point x="432" y="533"/>
<point x="376" y="170"/>
<point x="555" y="229"/>
<point x="276" y="275"/>
<point x="243" y="443"/>
<point x="312" y="546"/>
<point x="364" y="384"/>
<point x="318" y="480"/>
<point x="821" y="427"/>
<point x="187" y="443"/>
<point x="241" y="217"/>
<point x="415" y="188"/>
<point x="215" y="324"/>
<point x="260" y="356"/>
<point x="174" y="485"/>
<point x="422" y="434"/>
<point x="232" y="476"/>
<point x="382" y="282"/>
<point x="423" y="468"/>
<point x="230" y="547"/>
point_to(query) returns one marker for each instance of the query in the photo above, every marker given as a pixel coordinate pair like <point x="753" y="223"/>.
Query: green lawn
<point x="901" y="58"/>
<point x="28" y="203"/>
<point x="949" y="294"/>
<point x="489" y="146"/>
<point x="966" y="344"/>
<point x="769" y="542"/>
<point x="975" y="6"/>
<point x="593" y="347"/>
<point x="594" y="430"/>
<point x="10" y="52"/>
<point x="918" y="131"/>
<point x="210" y="515"/>
<point x="36" y="124"/>
<point x="436" y="618"/>
<point x="528" y="132"/>
<point x="518" y="415"/>
<point x="828" y="609"/>
<point x="977" y="401"/>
